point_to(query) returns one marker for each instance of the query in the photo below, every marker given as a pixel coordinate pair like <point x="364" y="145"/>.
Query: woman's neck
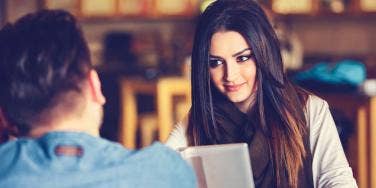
<point x="247" y="104"/>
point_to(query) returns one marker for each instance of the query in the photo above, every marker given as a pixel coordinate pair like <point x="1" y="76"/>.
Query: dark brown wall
<point x="337" y="35"/>
<point x="2" y="13"/>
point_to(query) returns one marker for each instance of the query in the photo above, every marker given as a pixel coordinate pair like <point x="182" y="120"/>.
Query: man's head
<point x="45" y="71"/>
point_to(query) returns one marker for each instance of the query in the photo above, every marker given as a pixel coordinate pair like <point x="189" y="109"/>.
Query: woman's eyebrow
<point x="236" y="54"/>
<point x="240" y="52"/>
<point x="216" y="57"/>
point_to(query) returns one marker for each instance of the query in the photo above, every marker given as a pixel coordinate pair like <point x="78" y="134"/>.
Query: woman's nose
<point x="231" y="72"/>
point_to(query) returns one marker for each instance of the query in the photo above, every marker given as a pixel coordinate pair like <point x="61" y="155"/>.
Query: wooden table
<point x="164" y="89"/>
<point x="362" y="146"/>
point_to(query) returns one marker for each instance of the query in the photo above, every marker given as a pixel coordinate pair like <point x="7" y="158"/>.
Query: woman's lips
<point x="233" y="88"/>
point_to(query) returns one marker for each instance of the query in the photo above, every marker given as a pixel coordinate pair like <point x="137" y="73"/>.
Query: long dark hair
<point x="279" y="106"/>
<point x="42" y="55"/>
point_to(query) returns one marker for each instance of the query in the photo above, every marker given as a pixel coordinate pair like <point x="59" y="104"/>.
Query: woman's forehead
<point x="227" y="42"/>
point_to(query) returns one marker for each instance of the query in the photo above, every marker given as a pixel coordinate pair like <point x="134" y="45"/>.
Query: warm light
<point x="368" y="5"/>
<point x="205" y="4"/>
<point x="337" y="6"/>
<point x="98" y="7"/>
<point x="171" y="7"/>
<point x="292" y="6"/>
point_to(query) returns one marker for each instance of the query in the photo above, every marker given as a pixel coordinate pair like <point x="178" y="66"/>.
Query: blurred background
<point x="141" y="48"/>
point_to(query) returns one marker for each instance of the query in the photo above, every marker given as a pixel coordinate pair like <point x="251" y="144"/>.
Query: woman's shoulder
<point x="317" y="113"/>
<point x="315" y="105"/>
<point x="329" y="165"/>
<point x="181" y="127"/>
<point x="315" y="101"/>
<point x="177" y="138"/>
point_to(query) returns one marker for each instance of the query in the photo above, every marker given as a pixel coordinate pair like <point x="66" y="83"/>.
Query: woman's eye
<point x="215" y="63"/>
<point x="243" y="58"/>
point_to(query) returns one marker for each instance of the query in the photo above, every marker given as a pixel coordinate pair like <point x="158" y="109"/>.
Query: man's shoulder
<point x="153" y="159"/>
<point x="156" y="154"/>
<point x="108" y="163"/>
<point x="10" y="149"/>
<point x="160" y="162"/>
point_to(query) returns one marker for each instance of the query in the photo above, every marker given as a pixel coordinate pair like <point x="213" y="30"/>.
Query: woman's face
<point x="232" y="68"/>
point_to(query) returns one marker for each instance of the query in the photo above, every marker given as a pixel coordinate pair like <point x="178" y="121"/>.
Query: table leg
<point x="128" y="123"/>
<point x="165" y="110"/>
<point x="362" y="157"/>
<point x="372" y="140"/>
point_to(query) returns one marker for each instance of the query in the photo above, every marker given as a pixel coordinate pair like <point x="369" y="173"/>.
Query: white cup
<point x="369" y="87"/>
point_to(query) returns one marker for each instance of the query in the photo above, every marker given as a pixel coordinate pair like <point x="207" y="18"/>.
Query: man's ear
<point x="95" y="87"/>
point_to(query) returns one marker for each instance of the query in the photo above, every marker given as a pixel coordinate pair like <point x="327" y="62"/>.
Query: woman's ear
<point x="95" y="88"/>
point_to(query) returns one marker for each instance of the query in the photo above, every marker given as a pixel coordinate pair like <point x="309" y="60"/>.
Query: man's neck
<point x="65" y="126"/>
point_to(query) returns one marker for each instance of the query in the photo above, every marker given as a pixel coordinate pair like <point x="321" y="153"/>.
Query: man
<point x="53" y="97"/>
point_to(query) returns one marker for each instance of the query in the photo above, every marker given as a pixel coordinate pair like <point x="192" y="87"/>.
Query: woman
<point x="240" y="94"/>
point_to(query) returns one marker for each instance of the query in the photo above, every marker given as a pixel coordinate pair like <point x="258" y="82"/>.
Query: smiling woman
<point x="233" y="68"/>
<point x="241" y="94"/>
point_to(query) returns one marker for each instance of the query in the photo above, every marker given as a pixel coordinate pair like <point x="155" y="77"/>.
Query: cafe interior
<point x="141" y="49"/>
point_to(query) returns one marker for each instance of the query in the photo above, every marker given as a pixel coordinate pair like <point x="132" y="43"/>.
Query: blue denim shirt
<point x="98" y="163"/>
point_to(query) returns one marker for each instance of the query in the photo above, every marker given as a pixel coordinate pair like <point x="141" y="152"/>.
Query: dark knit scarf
<point x="233" y="126"/>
